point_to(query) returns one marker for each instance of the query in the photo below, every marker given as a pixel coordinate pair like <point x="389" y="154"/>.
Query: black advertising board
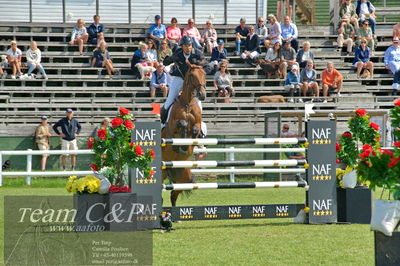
<point x="321" y="177"/>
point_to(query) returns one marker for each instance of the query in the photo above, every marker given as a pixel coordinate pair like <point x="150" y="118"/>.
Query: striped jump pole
<point x="194" y="186"/>
<point x="248" y="150"/>
<point x="256" y="163"/>
<point x="256" y="141"/>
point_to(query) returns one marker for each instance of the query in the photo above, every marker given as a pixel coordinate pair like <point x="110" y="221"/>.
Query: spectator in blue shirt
<point x="139" y="56"/>
<point x="241" y="33"/>
<point x="96" y="31"/>
<point x="392" y="62"/>
<point x="219" y="53"/>
<point x="290" y="33"/>
<point x="362" y="59"/>
<point x="292" y="83"/>
<point x="157" y="31"/>
<point x="159" y="82"/>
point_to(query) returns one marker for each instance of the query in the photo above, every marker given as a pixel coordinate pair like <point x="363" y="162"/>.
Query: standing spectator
<point x="366" y="11"/>
<point x="223" y="82"/>
<point x="105" y="124"/>
<point x="14" y="56"/>
<point x="290" y="33"/>
<point x="96" y="31"/>
<point x="42" y="134"/>
<point x="304" y="55"/>
<point x="293" y="84"/>
<point x="79" y="35"/>
<point x="209" y="37"/>
<point x="346" y="36"/>
<point x="174" y="34"/>
<point x="157" y="31"/>
<point x="275" y="31"/>
<point x="101" y="58"/>
<point x="308" y="77"/>
<point x="362" y="59"/>
<point x="251" y="51"/>
<point x="288" y="59"/>
<point x="396" y="30"/>
<point x="159" y="82"/>
<point x="164" y="51"/>
<point x="33" y="58"/>
<point x="261" y="30"/>
<point x="192" y="32"/>
<point x="139" y="56"/>
<point x="280" y="5"/>
<point x="272" y="61"/>
<point x="331" y="80"/>
<point x="151" y="54"/>
<point x="348" y="14"/>
<point x="392" y="62"/>
<point x="241" y="33"/>
<point x="70" y="129"/>
<point x="365" y="32"/>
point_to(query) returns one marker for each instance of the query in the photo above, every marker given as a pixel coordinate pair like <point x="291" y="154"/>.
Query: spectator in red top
<point x="194" y="33"/>
<point x="331" y="80"/>
<point x="174" y="34"/>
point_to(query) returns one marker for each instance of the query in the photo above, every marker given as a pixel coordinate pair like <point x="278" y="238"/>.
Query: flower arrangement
<point x="88" y="184"/>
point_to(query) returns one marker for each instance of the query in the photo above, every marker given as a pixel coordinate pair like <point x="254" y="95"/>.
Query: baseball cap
<point x="69" y="110"/>
<point x="220" y="41"/>
<point x="295" y="67"/>
<point x="395" y="39"/>
<point x="43" y="117"/>
<point x="242" y="20"/>
<point x="157" y="17"/>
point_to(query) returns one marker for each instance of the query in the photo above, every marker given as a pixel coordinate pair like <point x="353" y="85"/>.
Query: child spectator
<point x="101" y="58"/>
<point x="292" y="83"/>
<point x="157" y="31"/>
<point x="223" y="83"/>
<point x="194" y="33"/>
<point x="362" y="59"/>
<point x="331" y="80"/>
<point x="96" y="31"/>
<point x="174" y="34"/>
<point x="159" y="82"/>
<point x="79" y="35"/>
<point x="272" y="61"/>
<point x="151" y="54"/>
<point x="241" y="33"/>
<point x="251" y="51"/>
<point x="33" y="58"/>
<point x="209" y="37"/>
<point x="105" y="124"/>
<point x="14" y="56"/>
<point x="304" y="55"/>
<point x="308" y="77"/>
<point x="163" y="52"/>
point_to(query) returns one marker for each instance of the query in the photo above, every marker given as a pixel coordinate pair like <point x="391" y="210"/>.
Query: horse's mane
<point x="187" y="79"/>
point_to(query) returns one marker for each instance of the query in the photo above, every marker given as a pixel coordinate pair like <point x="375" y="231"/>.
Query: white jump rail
<point x="256" y="141"/>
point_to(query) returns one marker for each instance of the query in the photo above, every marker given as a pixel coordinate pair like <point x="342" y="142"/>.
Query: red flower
<point x="123" y="111"/>
<point x="396" y="144"/>
<point x="114" y="189"/>
<point x="138" y="150"/>
<point x="125" y="189"/>
<point x="367" y="151"/>
<point x="94" y="167"/>
<point x="338" y="161"/>
<point x="393" y="162"/>
<point x="129" y="124"/>
<point x="152" y="153"/>
<point x="90" y="142"/>
<point x="151" y="173"/>
<point x="388" y="152"/>
<point x="338" y="147"/>
<point x="132" y="144"/>
<point x="361" y="112"/>
<point x="116" y="122"/>
<point x="347" y="135"/>
<point x="102" y="133"/>
<point x="374" y="126"/>
<point x="397" y="102"/>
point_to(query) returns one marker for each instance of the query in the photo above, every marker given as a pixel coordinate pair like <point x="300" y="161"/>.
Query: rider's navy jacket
<point x="180" y="68"/>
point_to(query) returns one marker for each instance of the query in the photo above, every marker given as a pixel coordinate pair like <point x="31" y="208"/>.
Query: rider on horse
<point x="183" y="58"/>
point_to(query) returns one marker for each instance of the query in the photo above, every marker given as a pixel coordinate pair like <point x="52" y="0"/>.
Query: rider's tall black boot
<point x="163" y="114"/>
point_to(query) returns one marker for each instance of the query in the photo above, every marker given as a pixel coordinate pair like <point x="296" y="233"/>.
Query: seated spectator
<point x="288" y="59"/>
<point x="218" y="54"/>
<point x="159" y="81"/>
<point x="362" y="59"/>
<point x="293" y="84"/>
<point x="241" y="33"/>
<point x="287" y="133"/>
<point x="96" y="31"/>
<point x="157" y="31"/>
<point x="209" y="37"/>
<point x="79" y="35"/>
<point x="139" y="56"/>
<point x="164" y="51"/>
<point x="275" y="31"/>
<point x="251" y="51"/>
<point x="308" y="77"/>
<point x="151" y="54"/>
<point x="2" y="73"/>
<point x="282" y="5"/>
<point x="272" y="61"/>
<point x="304" y="55"/>
<point x="105" y="124"/>
<point x="33" y="58"/>
<point x="347" y="13"/>
<point x="290" y="33"/>
<point x="392" y="62"/>
<point x="346" y="36"/>
<point x="14" y="56"/>
<point x="223" y="83"/>
<point x="261" y="30"/>
<point x="396" y="30"/>
<point x="101" y="58"/>
<point x="174" y="34"/>
<point x="366" y="11"/>
<point x="365" y="33"/>
<point x="331" y="80"/>
<point x="194" y="33"/>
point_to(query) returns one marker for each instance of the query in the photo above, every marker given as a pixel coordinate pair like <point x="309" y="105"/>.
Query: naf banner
<point x="321" y="177"/>
<point x="148" y="136"/>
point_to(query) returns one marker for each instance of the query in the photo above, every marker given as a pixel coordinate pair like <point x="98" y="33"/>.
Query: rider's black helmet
<point x="186" y="40"/>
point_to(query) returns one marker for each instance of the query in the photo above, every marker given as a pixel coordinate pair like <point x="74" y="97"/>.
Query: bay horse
<point x="184" y="122"/>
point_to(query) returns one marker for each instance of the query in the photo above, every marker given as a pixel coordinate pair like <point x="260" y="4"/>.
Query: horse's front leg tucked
<point x="195" y="132"/>
<point x="182" y="127"/>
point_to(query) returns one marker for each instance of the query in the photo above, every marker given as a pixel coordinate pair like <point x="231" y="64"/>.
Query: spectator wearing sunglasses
<point x="362" y="59"/>
<point x="261" y="30"/>
<point x="365" y="32"/>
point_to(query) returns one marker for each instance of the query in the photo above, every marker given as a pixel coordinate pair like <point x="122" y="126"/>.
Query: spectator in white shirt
<point x="14" y="56"/>
<point x="33" y="58"/>
<point x="79" y="35"/>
